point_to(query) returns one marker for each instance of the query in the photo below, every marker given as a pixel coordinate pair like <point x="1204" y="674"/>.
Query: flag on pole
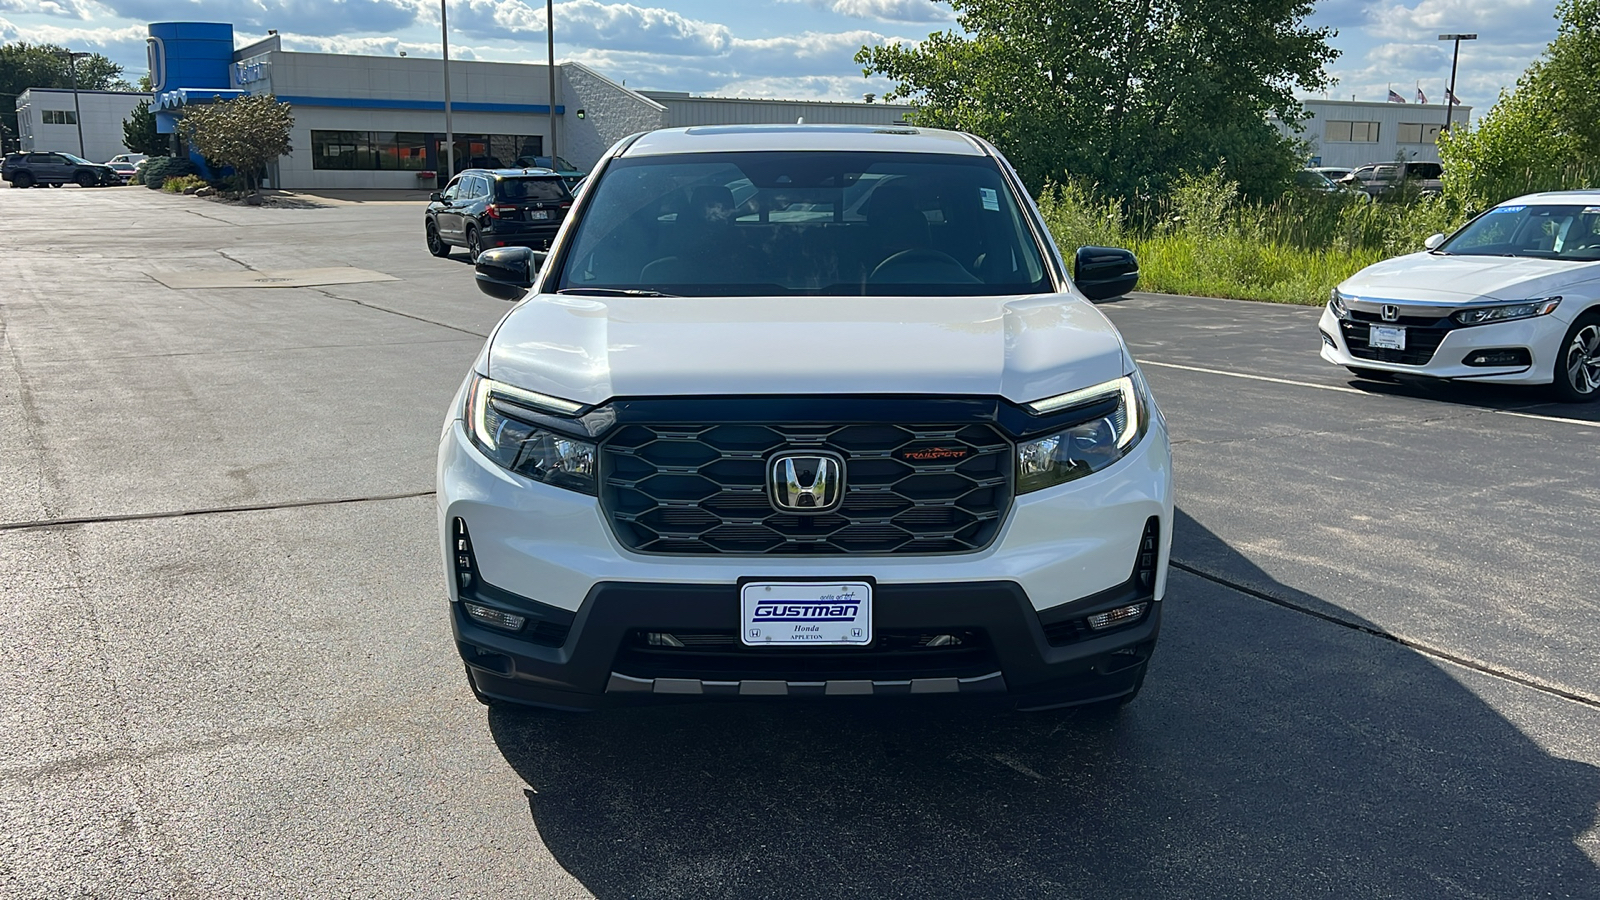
<point x="1394" y="97"/>
<point x="1421" y="97"/>
<point x="1450" y="97"/>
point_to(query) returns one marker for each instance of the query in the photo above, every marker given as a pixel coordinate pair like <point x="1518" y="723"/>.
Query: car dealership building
<point x="379" y="122"/>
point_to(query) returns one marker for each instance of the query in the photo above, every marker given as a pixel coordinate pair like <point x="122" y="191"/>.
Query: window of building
<point x="342" y="150"/>
<point x="1418" y="133"/>
<point x="1353" y="132"/>
<point x="404" y="150"/>
<point x="59" y="117"/>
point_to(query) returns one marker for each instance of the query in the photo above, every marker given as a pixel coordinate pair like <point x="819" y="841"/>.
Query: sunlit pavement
<point x="227" y="672"/>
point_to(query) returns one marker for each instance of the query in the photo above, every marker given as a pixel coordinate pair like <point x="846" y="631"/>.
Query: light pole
<point x="77" y="113"/>
<point x="550" y="49"/>
<point x="449" y="128"/>
<point x="1450" y="93"/>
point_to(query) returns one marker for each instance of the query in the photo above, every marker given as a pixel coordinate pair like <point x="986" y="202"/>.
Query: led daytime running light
<point x="483" y="388"/>
<point x="1123" y="385"/>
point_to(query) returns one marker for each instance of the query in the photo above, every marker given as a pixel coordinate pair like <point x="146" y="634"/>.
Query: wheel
<point x="436" y="244"/>
<point x="1371" y="374"/>
<point x="474" y="244"/>
<point x="86" y="179"/>
<point x="22" y="180"/>
<point x="1577" y="369"/>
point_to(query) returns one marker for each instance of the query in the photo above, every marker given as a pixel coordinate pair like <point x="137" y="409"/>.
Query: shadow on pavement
<point x="1271" y="755"/>
<point x="1533" y="399"/>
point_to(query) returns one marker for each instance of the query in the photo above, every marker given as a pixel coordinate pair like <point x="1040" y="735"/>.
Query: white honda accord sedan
<point x="1513" y="297"/>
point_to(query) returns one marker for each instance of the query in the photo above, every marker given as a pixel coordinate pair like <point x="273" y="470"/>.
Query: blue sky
<point x="768" y="48"/>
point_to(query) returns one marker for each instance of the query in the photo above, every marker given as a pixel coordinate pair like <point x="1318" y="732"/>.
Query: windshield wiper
<point x="613" y="292"/>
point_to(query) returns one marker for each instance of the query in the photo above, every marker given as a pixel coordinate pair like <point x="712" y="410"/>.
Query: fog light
<point x="1327" y="339"/>
<point x="1505" y="356"/>
<point x="661" y="639"/>
<point x="1122" y="615"/>
<point x="495" y="618"/>
<point x="943" y="640"/>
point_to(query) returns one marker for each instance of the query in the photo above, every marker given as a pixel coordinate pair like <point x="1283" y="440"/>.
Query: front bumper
<point x="1539" y="336"/>
<point x="1008" y="653"/>
<point x="1063" y="554"/>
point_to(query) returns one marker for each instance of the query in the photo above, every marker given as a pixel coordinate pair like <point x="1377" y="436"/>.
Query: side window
<point x="453" y="190"/>
<point x="480" y="187"/>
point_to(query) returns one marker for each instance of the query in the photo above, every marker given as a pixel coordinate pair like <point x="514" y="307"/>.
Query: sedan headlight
<point x="1483" y="315"/>
<point x="509" y="425"/>
<point x="1091" y="445"/>
<point x="1336" y="305"/>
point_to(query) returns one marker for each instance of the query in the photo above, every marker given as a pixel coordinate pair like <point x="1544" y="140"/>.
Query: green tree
<point x="1124" y="95"/>
<point x="1542" y="135"/>
<point x="139" y="132"/>
<point x="247" y="133"/>
<point x="24" y="66"/>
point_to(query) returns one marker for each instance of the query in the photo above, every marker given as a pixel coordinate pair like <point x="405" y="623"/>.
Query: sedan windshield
<point x="1545" y="231"/>
<point x="835" y="223"/>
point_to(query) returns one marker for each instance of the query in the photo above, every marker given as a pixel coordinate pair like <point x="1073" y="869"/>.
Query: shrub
<point x="157" y="169"/>
<point x="180" y="183"/>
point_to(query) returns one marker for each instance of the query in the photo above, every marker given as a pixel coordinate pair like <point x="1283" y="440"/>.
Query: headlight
<point x="1090" y="446"/>
<point x="1336" y="304"/>
<point x="1486" y="314"/>
<point x="504" y="424"/>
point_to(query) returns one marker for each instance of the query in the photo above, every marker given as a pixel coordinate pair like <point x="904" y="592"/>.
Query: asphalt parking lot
<point x="226" y="670"/>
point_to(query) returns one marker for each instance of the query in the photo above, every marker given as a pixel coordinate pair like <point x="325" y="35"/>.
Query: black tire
<point x="1576" y="376"/>
<point x="86" y="179"/>
<point x="474" y="244"/>
<point x="1372" y="374"/>
<point x="22" y="180"/>
<point x="436" y="244"/>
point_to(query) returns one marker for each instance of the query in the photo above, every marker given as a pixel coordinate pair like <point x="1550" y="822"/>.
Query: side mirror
<point x="506" y="273"/>
<point x="1433" y="241"/>
<point x="436" y="196"/>
<point x="1105" y="272"/>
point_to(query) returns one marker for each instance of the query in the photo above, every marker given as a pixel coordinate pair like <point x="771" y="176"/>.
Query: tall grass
<point x="1203" y="239"/>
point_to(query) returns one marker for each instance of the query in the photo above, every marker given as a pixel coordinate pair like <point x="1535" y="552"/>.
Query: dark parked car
<point x="484" y="208"/>
<point x="28" y="169"/>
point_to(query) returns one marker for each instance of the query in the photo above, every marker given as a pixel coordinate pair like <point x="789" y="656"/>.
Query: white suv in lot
<point x="804" y="411"/>
<point x="1513" y="297"/>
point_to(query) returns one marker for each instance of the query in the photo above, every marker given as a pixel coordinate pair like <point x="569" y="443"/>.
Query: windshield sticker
<point x="1506" y="209"/>
<point x="991" y="199"/>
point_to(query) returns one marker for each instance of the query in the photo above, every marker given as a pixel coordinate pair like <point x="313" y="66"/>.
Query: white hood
<point x="590" y="349"/>
<point x="1450" y="279"/>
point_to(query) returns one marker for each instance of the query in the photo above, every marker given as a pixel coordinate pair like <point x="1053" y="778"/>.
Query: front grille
<point x="702" y="489"/>
<point x="1421" y="341"/>
<point x="892" y="656"/>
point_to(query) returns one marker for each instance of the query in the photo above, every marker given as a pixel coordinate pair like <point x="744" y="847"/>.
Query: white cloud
<point x="67" y="9"/>
<point x="886" y="10"/>
<point x="1501" y="21"/>
<point x="615" y="26"/>
<point x="331" y="17"/>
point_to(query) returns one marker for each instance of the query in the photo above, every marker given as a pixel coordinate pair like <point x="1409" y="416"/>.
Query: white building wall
<point x="611" y="112"/>
<point x="102" y="115"/>
<point x="684" y="111"/>
<point x="1388" y="116"/>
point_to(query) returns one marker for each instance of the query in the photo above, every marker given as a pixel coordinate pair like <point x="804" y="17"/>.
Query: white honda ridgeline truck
<point x="804" y="411"/>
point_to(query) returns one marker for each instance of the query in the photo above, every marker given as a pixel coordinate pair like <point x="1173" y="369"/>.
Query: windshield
<point x="1546" y="231"/>
<point x="514" y="189"/>
<point x="836" y="223"/>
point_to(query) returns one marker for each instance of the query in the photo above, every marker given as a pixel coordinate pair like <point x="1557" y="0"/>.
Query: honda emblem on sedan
<point x="806" y="482"/>
<point x="1391" y="313"/>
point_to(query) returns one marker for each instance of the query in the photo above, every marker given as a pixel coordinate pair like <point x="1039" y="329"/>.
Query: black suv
<point x="28" y="169"/>
<point x="484" y="208"/>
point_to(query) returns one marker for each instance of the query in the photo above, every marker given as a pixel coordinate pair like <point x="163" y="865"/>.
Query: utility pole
<point x="77" y="113"/>
<point x="1450" y="94"/>
<point x="449" y="127"/>
<point x="550" y="47"/>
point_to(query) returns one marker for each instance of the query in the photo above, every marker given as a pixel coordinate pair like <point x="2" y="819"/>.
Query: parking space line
<point x="207" y="511"/>
<point x="1351" y="390"/>
<point x="1320" y="387"/>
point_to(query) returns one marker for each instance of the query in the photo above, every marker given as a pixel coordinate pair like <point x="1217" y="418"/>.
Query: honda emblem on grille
<point x="1391" y="313"/>
<point x="806" y="482"/>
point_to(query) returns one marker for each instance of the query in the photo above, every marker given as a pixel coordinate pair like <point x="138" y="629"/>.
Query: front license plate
<point x="1387" y="337"/>
<point x="538" y="214"/>
<point x="818" y="613"/>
